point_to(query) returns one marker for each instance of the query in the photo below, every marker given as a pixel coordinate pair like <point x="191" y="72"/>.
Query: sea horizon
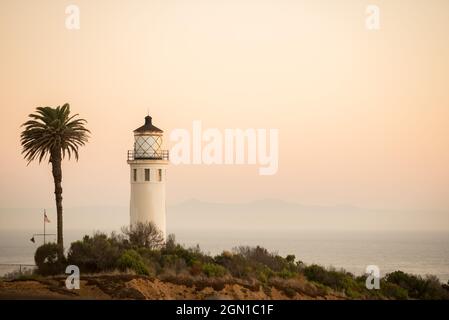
<point x="418" y="252"/>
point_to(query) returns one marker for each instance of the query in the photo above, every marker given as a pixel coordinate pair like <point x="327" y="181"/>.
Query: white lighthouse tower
<point x="148" y="164"/>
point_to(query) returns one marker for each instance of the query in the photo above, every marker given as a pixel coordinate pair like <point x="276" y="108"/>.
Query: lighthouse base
<point x="147" y="202"/>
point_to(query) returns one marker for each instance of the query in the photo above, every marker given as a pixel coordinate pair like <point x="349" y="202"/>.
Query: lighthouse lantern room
<point x="148" y="164"/>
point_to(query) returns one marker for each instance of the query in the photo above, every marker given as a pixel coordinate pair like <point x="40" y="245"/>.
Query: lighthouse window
<point x="159" y="175"/>
<point x="135" y="174"/>
<point x="147" y="174"/>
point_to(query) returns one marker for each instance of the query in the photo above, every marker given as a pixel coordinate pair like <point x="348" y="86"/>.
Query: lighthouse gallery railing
<point x="157" y="155"/>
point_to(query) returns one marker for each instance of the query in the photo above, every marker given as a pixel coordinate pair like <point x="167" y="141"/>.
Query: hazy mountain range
<point x="261" y="214"/>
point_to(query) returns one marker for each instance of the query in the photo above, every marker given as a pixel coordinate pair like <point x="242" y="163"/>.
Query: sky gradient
<point x="363" y="117"/>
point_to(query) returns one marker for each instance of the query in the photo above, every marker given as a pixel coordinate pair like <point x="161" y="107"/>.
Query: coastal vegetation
<point x="141" y="252"/>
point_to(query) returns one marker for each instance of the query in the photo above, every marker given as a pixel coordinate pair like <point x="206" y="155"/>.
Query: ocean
<point x="419" y="253"/>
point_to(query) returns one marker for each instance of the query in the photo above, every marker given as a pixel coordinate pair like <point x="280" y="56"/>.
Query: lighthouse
<point x="148" y="166"/>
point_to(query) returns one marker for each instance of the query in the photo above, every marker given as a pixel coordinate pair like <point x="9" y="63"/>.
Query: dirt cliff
<point x="140" y="287"/>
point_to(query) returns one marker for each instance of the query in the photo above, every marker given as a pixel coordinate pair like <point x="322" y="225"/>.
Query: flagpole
<point x="44" y="226"/>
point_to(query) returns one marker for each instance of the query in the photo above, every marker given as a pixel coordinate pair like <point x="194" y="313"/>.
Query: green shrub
<point x="170" y="244"/>
<point x="131" y="260"/>
<point x="289" y="292"/>
<point x="263" y="277"/>
<point x="213" y="270"/>
<point x="434" y="289"/>
<point x="286" y="274"/>
<point x="189" y="255"/>
<point x="337" y="280"/>
<point x="50" y="259"/>
<point x="393" y="291"/>
<point x="237" y="265"/>
<point x="413" y="284"/>
<point x="144" y="235"/>
<point x="96" y="254"/>
<point x="264" y="274"/>
<point x="196" y="268"/>
<point x="319" y="274"/>
<point x="429" y="288"/>
<point x="258" y="263"/>
<point x="173" y="263"/>
<point x="261" y="255"/>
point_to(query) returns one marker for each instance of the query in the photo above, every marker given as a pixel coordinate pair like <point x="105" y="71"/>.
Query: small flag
<point x="46" y="218"/>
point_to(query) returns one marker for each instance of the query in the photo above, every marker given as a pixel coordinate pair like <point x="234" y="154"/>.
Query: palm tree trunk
<point x="57" y="177"/>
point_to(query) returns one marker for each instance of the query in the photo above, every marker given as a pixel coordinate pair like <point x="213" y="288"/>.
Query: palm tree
<point x="54" y="133"/>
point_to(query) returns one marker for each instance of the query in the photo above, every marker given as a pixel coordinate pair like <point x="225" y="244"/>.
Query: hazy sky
<point x="363" y="117"/>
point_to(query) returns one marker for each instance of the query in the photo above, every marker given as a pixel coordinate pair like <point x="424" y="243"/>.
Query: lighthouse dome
<point x="148" y="141"/>
<point x="148" y="127"/>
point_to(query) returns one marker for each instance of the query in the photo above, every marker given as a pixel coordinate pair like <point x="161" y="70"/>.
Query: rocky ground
<point x="139" y="287"/>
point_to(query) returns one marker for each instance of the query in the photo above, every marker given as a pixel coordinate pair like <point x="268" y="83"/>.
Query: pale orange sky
<point x="363" y="116"/>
